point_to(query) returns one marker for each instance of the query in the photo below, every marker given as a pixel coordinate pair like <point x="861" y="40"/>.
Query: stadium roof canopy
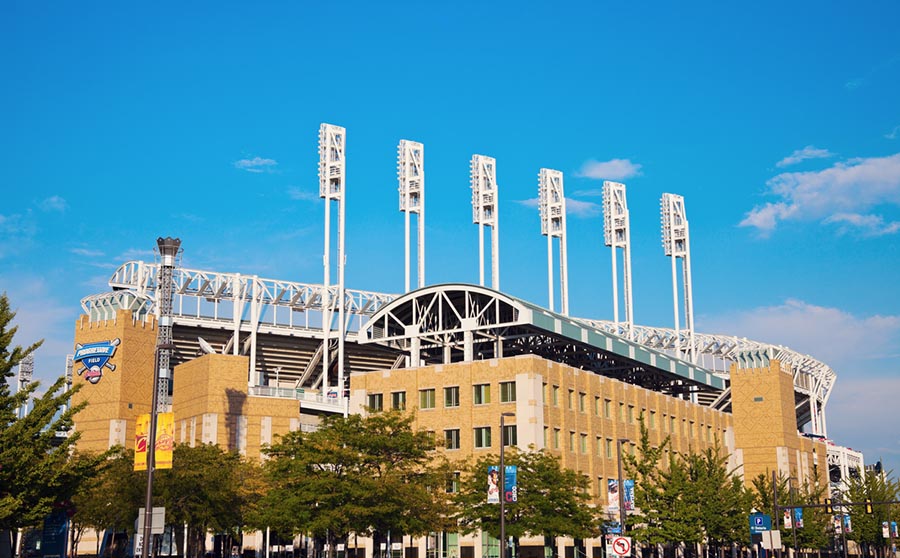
<point x="460" y="322"/>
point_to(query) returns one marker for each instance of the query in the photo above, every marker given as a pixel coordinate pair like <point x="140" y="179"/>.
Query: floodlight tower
<point x="676" y="243"/>
<point x="617" y="234"/>
<point x="70" y="365"/>
<point x="332" y="178"/>
<point x="552" y="203"/>
<point x="411" y="174"/>
<point x="168" y="251"/>
<point x="26" y="373"/>
<point x="483" y="172"/>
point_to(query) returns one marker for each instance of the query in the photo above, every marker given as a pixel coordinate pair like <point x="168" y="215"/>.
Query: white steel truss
<point x="483" y="173"/>
<point x="552" y="204"/>
<point x="617" y="234"/>
<point x="26" y="373"/>
<point x="332" y="181"/>
<point x="676" y="243"/>
<point x="844" y="465"/>
<point x="411" y="175"/>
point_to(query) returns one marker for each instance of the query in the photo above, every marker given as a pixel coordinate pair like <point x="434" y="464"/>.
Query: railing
<point x="299" y="394"/>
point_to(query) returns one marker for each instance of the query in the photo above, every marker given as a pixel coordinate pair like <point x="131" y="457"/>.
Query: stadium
<point x="243" y="359"/>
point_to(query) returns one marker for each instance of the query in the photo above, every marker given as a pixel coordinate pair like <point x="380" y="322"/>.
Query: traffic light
<point x="829" y="508"/>
<point x="869" y="509"/>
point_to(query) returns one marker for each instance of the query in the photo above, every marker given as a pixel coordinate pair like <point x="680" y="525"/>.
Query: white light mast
<point x="26" y="373"/>
<point x="332" y="178"/>
<point x="411" y="175"/>
<point x="552" y="203"/>
<point x="617" y="234"/>
<point x="483" y="172"/>
<point x="676" y="243"/>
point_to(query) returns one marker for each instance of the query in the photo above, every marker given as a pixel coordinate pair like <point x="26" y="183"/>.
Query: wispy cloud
<point x="846" y="189"/>
<point x="614" y="169"/>
<point x="590" y="193"/>
<point x="16" y="232"/>
<point x="256" y="164"/>
<point x="531" y="202"/>
<point x="867" y="225"/>
<point x="808" y="152"/>
<point x="54" y="203"/>
<point x="893" y="133"/>
<point x="856" y="83"/>
<point x="831" y="335"/>
<point x="136" y="254"/>
<point x="86" y="252"/>
<point x="296" y="193"/>
<point x="582" y="209"/>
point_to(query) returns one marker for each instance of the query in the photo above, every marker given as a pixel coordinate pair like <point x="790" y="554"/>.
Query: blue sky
<point x="778" y="122"/>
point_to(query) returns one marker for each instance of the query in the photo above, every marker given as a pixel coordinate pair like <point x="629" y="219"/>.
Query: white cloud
<point x="86" y="252"/>
<point x="590" y="193"/>
<point x="296" y="193"/>
<point x="830" y="335"/>
<point x="136" y="254"/>
<point x="582" y="208"/>
<point x="256" y="164"/>
<point x="850" y="187"/>
<point x="808" y="152"/>
<point x="54" y="203"/>
<point x="893" y="133"/>
<point x="868" y="225"/>
<point x="614" y="169"/>
<point x="532" y="202"/>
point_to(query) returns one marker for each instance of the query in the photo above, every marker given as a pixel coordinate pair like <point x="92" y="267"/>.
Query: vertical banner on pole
<point x="629" y="494"/>
<point x="165" y="440"/>
<point x="141" y="433"/>
<point x="493" y="485"/>
<point x="510" y="482"/>
<point x="798" y="518"/>
<point x="612" y="494"/>
<point x="848" y="526"/>
<point x="787" y="519"/>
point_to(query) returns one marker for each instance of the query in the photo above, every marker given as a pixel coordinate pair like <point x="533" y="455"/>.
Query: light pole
<point x="502" y="486"/>
<point x="621" y="484"/>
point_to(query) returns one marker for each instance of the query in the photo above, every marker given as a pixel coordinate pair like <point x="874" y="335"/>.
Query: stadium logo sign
<point x="94" y="357"/>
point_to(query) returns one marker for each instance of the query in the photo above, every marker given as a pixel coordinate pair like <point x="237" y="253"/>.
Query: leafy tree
<point x="816" y="522"/>
<point x="207" y="488"/>
<point x="719" y="495"/>
<point x="679" y="510"/>
<point x="876" y="488"/>
<point x="35" y="470"/>
<point x="355" y="474"/>
<point x="763" y="492"/>
<point x="644" y="468"/>
<point x="552" y="501"/>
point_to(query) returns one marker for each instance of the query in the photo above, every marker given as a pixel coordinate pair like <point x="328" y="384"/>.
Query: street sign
<point x="760" y="522"/>
<point x="157" y="521"/>
<point x="619" y="546"/>
<point x="771" y="540"/>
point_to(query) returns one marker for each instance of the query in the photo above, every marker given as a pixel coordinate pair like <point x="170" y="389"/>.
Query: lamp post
<point x="502" y="486"/>
<point x="621" y="484"/>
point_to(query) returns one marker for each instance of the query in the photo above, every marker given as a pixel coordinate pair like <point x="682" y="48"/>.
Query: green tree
<point x="874" y="487"/>
<point x="35" y="470"/>
<point x="355" y="474"/>
<point x="644" y="468"/>
<point x="719" y="495"/>
<point x="551" y="501"/>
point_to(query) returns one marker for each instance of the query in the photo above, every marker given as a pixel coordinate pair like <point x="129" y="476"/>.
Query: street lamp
<point x="503" y="486"/>
<point x="621" y="485"/>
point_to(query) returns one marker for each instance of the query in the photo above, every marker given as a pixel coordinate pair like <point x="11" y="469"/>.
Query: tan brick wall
<point x="579" y="421"/>
<point x="121" y="394"/>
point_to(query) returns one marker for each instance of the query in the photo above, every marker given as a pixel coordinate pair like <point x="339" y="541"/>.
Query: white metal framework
<point x="168" y="251"/>
<point x="332" y="181"/>
<point x="483" y="173"/>
<point x="26" y="373"/>
<point x="844" y="464"/>
<point x="676" y="243"/>
<point x="617" y="234"/>
<point x="552" y="204"/>
<point x="411" y="175"/>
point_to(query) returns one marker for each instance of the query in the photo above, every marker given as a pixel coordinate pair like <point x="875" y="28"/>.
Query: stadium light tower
<point x="411" y="175"/>
<point x="676" y="243"/>
<point x="552" y="203"/>
<point x="483" y="172"/>
<point x="617" y="234"/>
<point x="26" y="373"/>
<point x="332" y="178"/>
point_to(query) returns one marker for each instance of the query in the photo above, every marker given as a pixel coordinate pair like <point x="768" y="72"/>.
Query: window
<point x="584" y="444"/>
<point x="691" y="429"/>
<point x="510" y="435"/>
<point x="609" y="448"/>
<point x="571" y="441"/>
<point x="622" y="412"/>
<point x="398" y="400"/>
<point x="631" y="450"/>
<point x="451" y="439"/>
<point x="544" y="394"/>
<point x="556" y="438"/>
<point x="607" y="408"/>
<point x="597" y="406"/>
<point x="652" y="419"/>
<point x="582" y="402"/>
<point x="571" y="399"/>
<point x="375" y="402"/>
<point x="451" y="396"/>
<point x="555" y="394"/>
<point x="598" y="448"/>
<point x="426" y="398"/>
<point x="453" y="484"/>
<point x="483" y="437"/>
<point x="631" y="414"/>
<point x="601" y="488"/>
<point x="507" y="392"/>
<point x="672" y="423"/>
<point x="545" y="436"/>
<point x="481" y="394"/>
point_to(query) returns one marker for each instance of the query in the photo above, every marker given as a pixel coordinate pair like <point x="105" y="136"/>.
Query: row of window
<point x="482" y="436"/>
<point x="481" y="395"/>
<point x="626" y="412"/>
<point x="603" y="447"/>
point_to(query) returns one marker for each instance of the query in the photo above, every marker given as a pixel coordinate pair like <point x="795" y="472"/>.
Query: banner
<point x="894" y="529"/>
<point x="798" y="518"/>
<point x="848" y="527"/>
<point x="510" y="484"/>
<point x="165" y="440"/>
<point x="493" y="486"/>
<point x="885" y="530"/>
<point x="788" y="524"/>
<point x="629" y="494"/>
<point x="612" y="494"/>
